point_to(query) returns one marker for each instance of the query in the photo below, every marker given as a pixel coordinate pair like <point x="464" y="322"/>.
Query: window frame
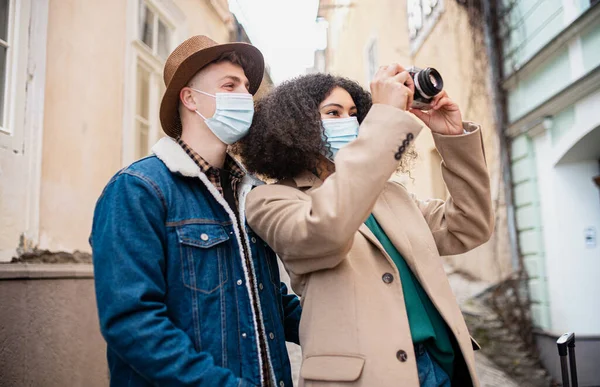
<point x="10" y="74"/>
<point x="12" y="128"/>
<point x="428" y="23"/>
<point x="140" y="54"/>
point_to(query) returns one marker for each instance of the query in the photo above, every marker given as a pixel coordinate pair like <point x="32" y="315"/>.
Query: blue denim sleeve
<point x="292" y="311"/>
<point x="128" y="242"/>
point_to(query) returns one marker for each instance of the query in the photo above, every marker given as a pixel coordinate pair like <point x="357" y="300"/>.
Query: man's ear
<point x="187" y="99"/>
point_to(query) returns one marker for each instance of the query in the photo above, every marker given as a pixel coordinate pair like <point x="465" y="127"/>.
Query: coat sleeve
<point x="130" y="289"/>
<point x="466" y="219"/>
<point x="313" y="231"/>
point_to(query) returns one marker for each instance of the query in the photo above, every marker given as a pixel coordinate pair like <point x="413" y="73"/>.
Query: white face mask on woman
<point x="233" y="115"/>
<point x="339" y="132"/>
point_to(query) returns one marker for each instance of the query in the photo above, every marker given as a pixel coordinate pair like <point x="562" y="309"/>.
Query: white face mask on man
<point x="233" y="115"/>
<point x="339" y="132"/>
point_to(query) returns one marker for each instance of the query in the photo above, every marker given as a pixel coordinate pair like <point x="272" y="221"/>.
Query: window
<point x="422" y="15"/>
<point x="371" y="59"/>
<point x="5" y="51"/>
<point x="154" y="32"/>
<point x="142" y="111"/>
<point x="152" y="44"/>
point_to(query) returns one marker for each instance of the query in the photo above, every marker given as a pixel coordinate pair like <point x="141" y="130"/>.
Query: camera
<point x="428" y="83"/>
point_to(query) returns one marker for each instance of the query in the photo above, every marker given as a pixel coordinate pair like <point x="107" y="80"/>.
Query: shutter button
<point x="402" y="355"/>
<point x="204" y="237"/>
<point x="387" y="278"/>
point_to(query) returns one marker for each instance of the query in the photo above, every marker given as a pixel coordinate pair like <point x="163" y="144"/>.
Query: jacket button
<point x="244" y="335"/>
<point x="204" y="237"/>
<point x="271" y="336"/>
<point x="239" y="282"/>
<point x="387" y="278"/>
<point x="253" y="240"/>
<point x="260" y="286"/>
<point x="402" y="355"/>
<point x="281" y="384"/>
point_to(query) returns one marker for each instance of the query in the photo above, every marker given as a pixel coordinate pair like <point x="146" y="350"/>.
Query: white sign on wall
<point x="590" y="237"/>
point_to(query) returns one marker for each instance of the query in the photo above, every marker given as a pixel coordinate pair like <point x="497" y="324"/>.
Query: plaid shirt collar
<point x="230" y="165"/>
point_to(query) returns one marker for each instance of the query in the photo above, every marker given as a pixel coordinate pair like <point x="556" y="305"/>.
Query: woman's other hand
<point x="444" y="116"/>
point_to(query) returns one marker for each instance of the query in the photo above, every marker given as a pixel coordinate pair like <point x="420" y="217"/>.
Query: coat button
<point x="402" y="355"/>
<point x="239" y="282"/>
<point x="387" y="278"/>
<point x="271" y="336"/>
<point x="260" y="286"/>
<point x="281" y="384"/>
<point x="244" y="335"/>
<point x="204" y="237"/>
<point x="253" y="239"/>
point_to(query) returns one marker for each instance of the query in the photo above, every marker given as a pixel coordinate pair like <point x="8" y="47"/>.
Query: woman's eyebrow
<point x="333" y="104"/>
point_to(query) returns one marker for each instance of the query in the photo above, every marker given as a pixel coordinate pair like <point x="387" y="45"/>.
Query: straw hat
<point x="187" y="59"/>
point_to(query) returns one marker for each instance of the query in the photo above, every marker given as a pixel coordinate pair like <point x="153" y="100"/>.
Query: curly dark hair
<point x="286" y="136"/>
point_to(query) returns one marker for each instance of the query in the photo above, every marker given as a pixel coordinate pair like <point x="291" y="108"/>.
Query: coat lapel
<point x="426" y="268"/>
<point x="388" y="220"/>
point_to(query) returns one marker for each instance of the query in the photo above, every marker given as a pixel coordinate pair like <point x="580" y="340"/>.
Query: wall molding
<point x="553" y="46"/>
<point x="569" y="95"/>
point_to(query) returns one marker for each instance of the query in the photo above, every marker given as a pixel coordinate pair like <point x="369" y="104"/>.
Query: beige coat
<point x="354" y="329"/>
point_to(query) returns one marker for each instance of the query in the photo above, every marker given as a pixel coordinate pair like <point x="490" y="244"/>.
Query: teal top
<point x="426" y="324"/>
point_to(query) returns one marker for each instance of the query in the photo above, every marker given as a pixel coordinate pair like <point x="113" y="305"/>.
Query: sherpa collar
<point x="178" y="161"/>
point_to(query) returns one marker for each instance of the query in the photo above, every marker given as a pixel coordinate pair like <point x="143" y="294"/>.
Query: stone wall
<point x="49" y="333"/>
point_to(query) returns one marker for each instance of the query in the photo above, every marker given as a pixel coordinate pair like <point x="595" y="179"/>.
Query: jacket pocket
<point x="203" y="251"/>
<point x="332" y="368"/>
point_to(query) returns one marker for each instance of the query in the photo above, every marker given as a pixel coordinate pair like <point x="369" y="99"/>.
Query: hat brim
<point x="169" y="107"/>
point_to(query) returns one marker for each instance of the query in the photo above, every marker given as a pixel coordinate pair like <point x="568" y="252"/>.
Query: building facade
<point x="550" y="54"/>
<point x="363" y="35"/>
<point x="80" y="86"/>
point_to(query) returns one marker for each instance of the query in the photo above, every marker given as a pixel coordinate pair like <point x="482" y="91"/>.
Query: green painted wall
<point x="530" y="25"/>
<point x="539" y="86"/>
<point x="590" y="45"/>
<point x="529" y="227"/>
<point x="561" y="123"/>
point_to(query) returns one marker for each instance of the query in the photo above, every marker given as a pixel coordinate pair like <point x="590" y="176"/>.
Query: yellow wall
<point x="203" y="19"/>
<point x="20" y="148"/>
<point x="84" y="107"/>
<point x="82" y="116"/>
<point x="449" y="48"/>
<point x="351" y="29"/>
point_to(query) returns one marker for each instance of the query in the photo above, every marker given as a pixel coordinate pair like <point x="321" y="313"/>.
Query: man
<point x="187" y="294"/>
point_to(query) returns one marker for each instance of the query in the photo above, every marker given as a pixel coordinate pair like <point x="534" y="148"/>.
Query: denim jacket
<point x="172" y="286"/>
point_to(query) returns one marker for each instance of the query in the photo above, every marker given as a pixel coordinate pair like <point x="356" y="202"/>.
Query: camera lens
<point x="429" y="82"/>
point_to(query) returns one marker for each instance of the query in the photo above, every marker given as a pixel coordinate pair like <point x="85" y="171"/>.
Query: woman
<point x="360" y="249"/>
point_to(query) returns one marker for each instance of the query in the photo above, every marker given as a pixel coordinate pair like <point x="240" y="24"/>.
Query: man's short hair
<point x="233" y="57"/>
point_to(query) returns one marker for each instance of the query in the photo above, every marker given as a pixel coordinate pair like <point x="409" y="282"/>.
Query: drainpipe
<point x="493" y="50"/>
